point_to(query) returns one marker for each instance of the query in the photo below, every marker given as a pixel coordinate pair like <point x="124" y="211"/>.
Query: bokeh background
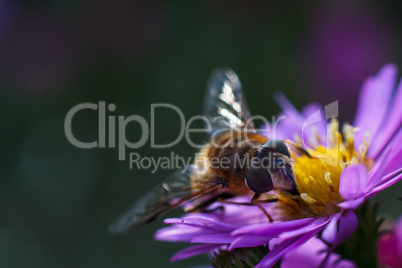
<point x="57" y="200"/>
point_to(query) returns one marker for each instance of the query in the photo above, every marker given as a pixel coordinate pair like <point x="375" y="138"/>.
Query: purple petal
<point x="265" y="130"/>
<point x="283" y="128"/>
<point x="290" y="111"/>
<point x="248" y="240"/>
<point x="394" y="161"/>
<point x="352" y="204"/>
<point x="376" y="173"/>
<point x="192" y="251"/>
<point x="275" y="242"/>
<point x="182" y="234"/>
<point x="388" y="163"/>
<point x="223" y="238"/>
<point x="353" y="181"/>
<point x="315" y="123"/>
<point x="273" y="229"/>
<point x="347" y="226"/>
<point x="289" y="122"/>
<point x="393" y="178"/>
<point x="286" y="246"/>
<point x="331" y="230"/>
<point x="204" y="222"/>
<point x="340" y="264"/>
<point x="374" y="101"/>
<point x="279" y="251"/>
<point x="279" y="131"/>
<point x="312" y="108"/>
<point x="312" y="254"/>
<point x="391" y="126"/>
<point x="317" y="224"/>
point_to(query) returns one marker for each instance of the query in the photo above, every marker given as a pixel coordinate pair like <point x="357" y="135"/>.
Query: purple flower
<point x="347" y="42"/>
<point x="339" y="177"/>
<point x="390" y="247"/>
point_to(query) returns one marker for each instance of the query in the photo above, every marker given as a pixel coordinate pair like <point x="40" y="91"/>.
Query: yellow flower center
<point x="318" y="175"/>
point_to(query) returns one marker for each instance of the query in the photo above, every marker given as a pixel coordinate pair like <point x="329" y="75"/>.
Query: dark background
<point x="57" y="200"/>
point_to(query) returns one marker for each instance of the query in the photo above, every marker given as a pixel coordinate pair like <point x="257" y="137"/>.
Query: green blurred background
<point x="57" y="200"/>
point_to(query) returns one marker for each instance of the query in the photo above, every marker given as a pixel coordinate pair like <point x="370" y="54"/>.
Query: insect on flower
<point x="254" y="163"/>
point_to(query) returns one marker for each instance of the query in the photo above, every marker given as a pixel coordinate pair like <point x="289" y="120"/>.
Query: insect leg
<point x="299" y="148"/>
<point x="194" y="196"/>
<point x="202" y="206"/>
<point x="254" y="202"/>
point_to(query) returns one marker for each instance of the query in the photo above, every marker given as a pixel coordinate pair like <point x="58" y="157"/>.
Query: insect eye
<point x="277" y="146"/>
<point x="259" y="180"/>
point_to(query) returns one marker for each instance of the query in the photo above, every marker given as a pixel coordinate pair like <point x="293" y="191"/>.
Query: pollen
<point x="318" y="174"/>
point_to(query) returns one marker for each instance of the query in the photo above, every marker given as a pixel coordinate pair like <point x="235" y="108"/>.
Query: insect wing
<point x="225" y="104"/>
<point x="161" y="199"/>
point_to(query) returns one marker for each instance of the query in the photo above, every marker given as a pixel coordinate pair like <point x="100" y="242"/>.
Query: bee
<point x="254" y="164"/>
